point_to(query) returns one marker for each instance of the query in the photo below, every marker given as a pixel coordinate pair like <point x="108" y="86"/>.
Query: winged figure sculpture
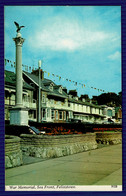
<point x="18" y="27"/>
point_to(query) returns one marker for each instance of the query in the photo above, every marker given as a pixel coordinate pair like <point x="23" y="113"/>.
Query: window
<point x="64" y="115"/>
<point x="51" y="87"/>
<point x="34" y="113"/>
<point x="84" y="108"/>
<point x="30" y="113"/>
<point x="86" y="117"/>
<point x="52" y="114"/>
<point x="60" y="115"/>
<point x="109" y="112"/>
<point x="70" y="114"/>
<point x="99" y="111"/>
<point x="56" y="114"/>
<point x="43" y="113"/>
<point x="60" y="90"/>
<point x="48" y="113"/>
<point x="43" y="98"/>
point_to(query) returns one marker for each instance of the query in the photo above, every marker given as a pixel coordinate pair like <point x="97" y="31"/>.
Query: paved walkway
<point x="102" y="166"/>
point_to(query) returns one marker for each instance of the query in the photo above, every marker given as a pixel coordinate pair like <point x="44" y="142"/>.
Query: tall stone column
<point x="19" y="114"/>
<point x="18" y="43"/>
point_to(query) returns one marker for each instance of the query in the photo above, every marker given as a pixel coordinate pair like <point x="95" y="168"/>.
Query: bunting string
<point x="30" y="69"/>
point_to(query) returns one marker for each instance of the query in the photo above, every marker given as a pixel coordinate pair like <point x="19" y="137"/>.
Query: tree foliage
<point x="110" y="99"/>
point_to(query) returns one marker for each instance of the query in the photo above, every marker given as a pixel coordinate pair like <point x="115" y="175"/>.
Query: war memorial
<point x="58" y="155"/>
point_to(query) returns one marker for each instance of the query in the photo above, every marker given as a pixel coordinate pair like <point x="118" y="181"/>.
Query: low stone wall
<point x="57" y="146"/>
<point x="13" y="153"/>
<point x="109" y="138"/>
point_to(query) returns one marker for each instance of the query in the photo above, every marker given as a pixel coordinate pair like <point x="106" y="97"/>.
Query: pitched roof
<point x="83" y="103"/>
<point x="45" y="85"/>
<point x="10" y="79"/>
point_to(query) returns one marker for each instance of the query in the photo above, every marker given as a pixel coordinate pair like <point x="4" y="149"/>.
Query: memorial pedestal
<point x="19" y="116"/>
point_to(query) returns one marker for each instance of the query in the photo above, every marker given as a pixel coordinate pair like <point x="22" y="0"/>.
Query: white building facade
<point x="56" y="104"/>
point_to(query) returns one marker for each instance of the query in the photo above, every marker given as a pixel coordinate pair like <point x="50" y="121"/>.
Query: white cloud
<point x="115" y="56"/>
<point x="68" y="35"/>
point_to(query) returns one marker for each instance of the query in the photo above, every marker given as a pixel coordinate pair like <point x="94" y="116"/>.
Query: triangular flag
<point x="48" y="74"/>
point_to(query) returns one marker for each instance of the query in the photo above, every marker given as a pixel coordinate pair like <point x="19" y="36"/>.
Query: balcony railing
<point x="56" y="105"/>
<point x="29" y="104"/>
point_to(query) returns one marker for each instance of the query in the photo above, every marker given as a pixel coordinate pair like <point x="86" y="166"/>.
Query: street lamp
<point x="39" y="97"/>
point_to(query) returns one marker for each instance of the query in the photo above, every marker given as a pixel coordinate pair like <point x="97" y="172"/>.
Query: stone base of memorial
<point x="19" y="116"/>
<point x="109" y="138"/>
<point x="56" y="146"/>
<point x="13" y="153"/>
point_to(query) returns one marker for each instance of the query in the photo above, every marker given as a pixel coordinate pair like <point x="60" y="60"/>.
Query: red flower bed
<point x="58" y="131"/>
<point x="107" y="129"/>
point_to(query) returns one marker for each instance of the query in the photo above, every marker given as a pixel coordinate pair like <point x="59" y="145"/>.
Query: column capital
<point x="19" y="41"/>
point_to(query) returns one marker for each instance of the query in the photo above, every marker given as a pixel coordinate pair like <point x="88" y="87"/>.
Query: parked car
<point x="74" y="120"/>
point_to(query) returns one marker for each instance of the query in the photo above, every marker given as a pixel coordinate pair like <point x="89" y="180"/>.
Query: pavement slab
<point x="101" y="166"/>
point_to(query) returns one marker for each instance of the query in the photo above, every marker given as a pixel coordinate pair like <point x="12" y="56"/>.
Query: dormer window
<point x="70" y="96"/>
<point x="51" y="87"/>
<point x="60" y="90"/>
<point x="83" y="100"/>
<point x="76" y="98"/>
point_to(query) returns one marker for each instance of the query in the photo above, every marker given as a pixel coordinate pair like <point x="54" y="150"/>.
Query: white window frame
<point x="57" y="116"/>
<point x="60" y="90"/>
<point x="44" y="113"/>
<point x="52" y="114"/>
<point x="48" y="112"/>
<point x="60" y="112"/>
<point x="64" y="115"/>
<point x="51" y="87"/>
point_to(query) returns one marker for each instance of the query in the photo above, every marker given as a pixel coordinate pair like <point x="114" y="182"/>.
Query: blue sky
<point x="78" y="43"/>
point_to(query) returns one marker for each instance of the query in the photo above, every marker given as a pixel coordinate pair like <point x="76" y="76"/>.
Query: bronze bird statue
<point x="18" y="27"/>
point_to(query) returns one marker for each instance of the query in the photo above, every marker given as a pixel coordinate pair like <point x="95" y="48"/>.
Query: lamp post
<point x="39" y="93"/>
